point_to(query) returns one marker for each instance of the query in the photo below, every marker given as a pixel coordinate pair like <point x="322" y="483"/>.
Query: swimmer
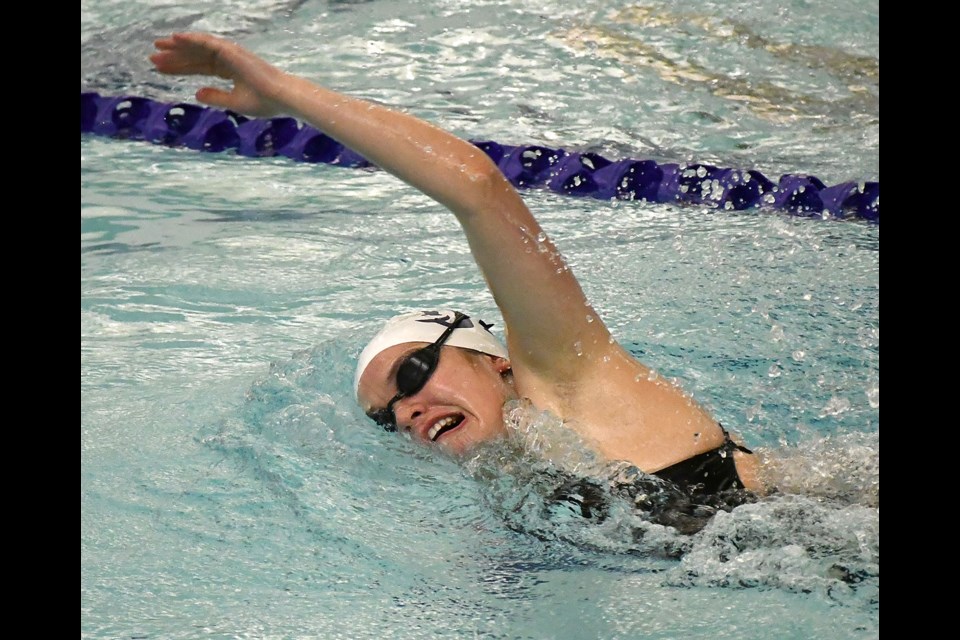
<point x="441" y="376"/>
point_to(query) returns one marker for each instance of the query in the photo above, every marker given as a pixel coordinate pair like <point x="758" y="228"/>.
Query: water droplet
<point x="578" y="347"/>
<point x="589" y="318"/>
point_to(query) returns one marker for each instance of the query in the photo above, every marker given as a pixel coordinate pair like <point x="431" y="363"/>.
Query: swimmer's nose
<point x="407" y="410"/>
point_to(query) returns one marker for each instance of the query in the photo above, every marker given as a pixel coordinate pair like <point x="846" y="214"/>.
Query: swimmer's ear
<point x="502" y="365"/>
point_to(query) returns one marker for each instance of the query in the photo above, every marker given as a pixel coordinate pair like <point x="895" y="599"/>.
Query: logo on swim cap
<point x="426" y="326"/>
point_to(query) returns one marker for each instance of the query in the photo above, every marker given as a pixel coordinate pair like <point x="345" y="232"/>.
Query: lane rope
<point x="526" y="166"/>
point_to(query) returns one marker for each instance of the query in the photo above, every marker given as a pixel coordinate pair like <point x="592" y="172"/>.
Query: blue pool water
<point x="231" y="489"/>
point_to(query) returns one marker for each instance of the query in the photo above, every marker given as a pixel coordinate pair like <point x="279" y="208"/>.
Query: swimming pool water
<point x="231" y="489"/>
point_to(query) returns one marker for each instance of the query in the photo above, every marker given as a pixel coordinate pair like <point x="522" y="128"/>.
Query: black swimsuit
<point x="684" y="496"/>
<point x="711" y="472"/>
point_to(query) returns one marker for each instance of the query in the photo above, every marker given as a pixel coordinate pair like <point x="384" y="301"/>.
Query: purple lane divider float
<point x="526" y="166"/>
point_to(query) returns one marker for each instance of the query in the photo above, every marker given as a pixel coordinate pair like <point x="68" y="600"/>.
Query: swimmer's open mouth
<point x="443" y="426"/>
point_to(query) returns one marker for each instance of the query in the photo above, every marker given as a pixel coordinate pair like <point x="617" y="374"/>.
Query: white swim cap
<point x="426" y="326"/>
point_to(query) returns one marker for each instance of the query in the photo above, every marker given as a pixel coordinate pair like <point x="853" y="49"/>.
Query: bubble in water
<point x="799" y="355"/>
<point x="775" y="370"/>
<point x="873" y="396"/>
<point x="836" y="406"/>
<point x="776" y="333"/>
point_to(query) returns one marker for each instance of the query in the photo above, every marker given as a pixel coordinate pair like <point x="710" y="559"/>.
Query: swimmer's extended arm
<point x="561" y="352"/>
<point x="552" y="331"/>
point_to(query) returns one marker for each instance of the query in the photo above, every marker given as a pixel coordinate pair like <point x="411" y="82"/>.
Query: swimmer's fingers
<point x="241" y="99"/>
<point x="189" y="54"/>
<point x="220" y="98"/>
<point x="205" y="54"/>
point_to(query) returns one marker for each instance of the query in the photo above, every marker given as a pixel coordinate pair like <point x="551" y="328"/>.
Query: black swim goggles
<point x="413" y="373"/>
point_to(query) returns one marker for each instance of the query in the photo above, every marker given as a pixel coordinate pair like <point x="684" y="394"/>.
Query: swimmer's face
<point x="459" y="407"/>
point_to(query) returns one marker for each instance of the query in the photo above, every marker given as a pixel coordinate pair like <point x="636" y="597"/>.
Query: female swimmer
<point x="442" y="376"/>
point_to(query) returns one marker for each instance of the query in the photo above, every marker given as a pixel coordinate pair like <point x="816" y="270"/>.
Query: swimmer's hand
<point x="255" y="82"/>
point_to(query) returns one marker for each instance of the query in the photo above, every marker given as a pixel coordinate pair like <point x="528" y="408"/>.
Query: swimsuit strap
<point x="729" y="445"/>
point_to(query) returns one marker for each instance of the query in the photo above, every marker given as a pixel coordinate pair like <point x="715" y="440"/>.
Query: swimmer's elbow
<point x="483" y="186"/>
<point x="482" y="172"/>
